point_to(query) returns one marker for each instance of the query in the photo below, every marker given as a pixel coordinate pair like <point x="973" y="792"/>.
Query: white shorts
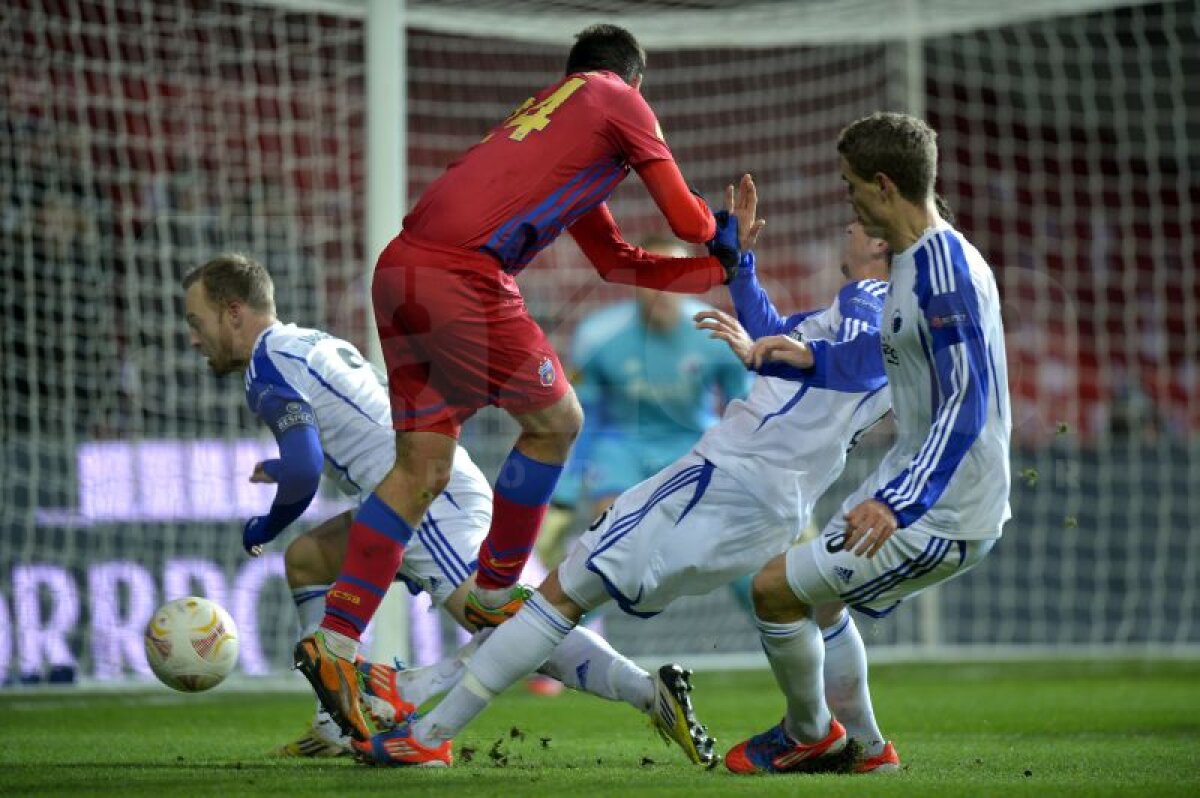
<point x="442" y="552"/>
<point x="685" y="531"/>
<point x="822" y="571"/>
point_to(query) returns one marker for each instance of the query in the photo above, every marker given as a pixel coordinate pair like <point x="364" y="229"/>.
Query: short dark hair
<point x="610" y="48"/>
<point x="898" y="145"/>
<point x="235" y="276"/>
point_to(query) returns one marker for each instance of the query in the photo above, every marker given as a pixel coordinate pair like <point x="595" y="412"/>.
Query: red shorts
<point x="456" y="336"/>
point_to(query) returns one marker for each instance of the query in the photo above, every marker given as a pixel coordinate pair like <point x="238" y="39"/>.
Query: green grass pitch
<point x="1062" y="728"/>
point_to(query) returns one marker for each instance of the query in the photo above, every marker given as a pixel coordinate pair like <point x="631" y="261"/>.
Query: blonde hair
<point x="235" y="276"/>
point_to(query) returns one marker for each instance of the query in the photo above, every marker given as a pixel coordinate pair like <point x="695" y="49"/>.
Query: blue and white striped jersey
<point x="787" y="441"/>
<point x="347" y="396"/>
<point x="943" y="348"/>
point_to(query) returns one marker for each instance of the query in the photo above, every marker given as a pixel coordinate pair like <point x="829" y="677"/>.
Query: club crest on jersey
<point x="546" y="372"/>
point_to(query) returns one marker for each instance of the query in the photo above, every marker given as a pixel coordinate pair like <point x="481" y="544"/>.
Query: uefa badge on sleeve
<point x="546" y="372"/>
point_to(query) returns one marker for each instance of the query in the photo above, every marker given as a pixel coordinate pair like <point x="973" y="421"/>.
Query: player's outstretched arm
<point x="687" y="213"/>
<point x="297" y="471"/>
<point x="617" y="261"/>
<point x="754" y="307"/>
<point x="755" y="310"/>
<point x="781" y="349"/>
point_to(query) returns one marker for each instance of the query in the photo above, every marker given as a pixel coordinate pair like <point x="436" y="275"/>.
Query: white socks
<point x="339" y="645"/>
<point x="310" y="607"/>
<point x="515" y="649"/>
<point x="418" y="685"/>
<point x="846" y="687"/>
<point x="585" y="661"/>
<point x="797" y="655"/>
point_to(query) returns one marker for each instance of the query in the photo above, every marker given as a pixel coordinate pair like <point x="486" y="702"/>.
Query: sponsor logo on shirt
<point x="889" y="352"/>
<point x="951" y="320"/>
<point x="870" y="303"/>
<point x="295" y="415"/>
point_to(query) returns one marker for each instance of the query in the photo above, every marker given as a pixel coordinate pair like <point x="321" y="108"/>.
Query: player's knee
<point x="435" y="480"/>
<point x="827" y="615"/>
<point x="773" y="598"/>
<point x="573" y="417"/>
<point x="565" y="422"/>
<point x="422" y="466"/>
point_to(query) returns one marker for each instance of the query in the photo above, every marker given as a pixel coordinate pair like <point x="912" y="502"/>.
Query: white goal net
<point x="140" y="138"/>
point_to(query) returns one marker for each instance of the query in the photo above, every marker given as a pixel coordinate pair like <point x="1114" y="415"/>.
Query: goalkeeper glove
<point x="725" y="246"/>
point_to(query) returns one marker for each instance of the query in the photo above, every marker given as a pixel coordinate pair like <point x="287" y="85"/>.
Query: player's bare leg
<point x="422" y="470"/>
<point x="315" y="557"/>
<point x="523" y="490"/>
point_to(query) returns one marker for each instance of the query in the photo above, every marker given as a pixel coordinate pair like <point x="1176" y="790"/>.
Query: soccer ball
<point x="191" y="644"/>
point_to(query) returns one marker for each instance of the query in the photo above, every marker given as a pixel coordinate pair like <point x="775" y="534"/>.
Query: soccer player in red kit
<point x="457" y="336"/>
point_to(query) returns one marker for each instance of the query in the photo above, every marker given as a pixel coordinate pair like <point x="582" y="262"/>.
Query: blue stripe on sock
<point x="308" y="595"/>
<point x="375" y="514"/>
<point x="354" y="580"/>
<point x="357" y="623"/>
<point x="526" y="481"/>
<point x="503" y="555"/>
<point x="554" y="622"/>
<point x="787" y="630"/>
<point x="845" y="624"/>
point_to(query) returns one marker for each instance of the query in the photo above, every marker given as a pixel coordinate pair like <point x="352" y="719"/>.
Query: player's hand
<point x="743" y="204"/>
<point x="726" y="328"/>
<point x="868" y="527"/>
<point x="725" y="245"/>
<point x="255" y="535"/>
<point x="780" y="349"/>
<point x="260" y="472"/>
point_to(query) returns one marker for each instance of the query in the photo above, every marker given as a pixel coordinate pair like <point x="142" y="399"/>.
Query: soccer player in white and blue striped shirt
<point x="328" y="410"/>
<point x="936" y="504"/>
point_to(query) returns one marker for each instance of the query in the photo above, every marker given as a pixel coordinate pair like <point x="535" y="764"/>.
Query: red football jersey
<point x="558" y="156"/>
